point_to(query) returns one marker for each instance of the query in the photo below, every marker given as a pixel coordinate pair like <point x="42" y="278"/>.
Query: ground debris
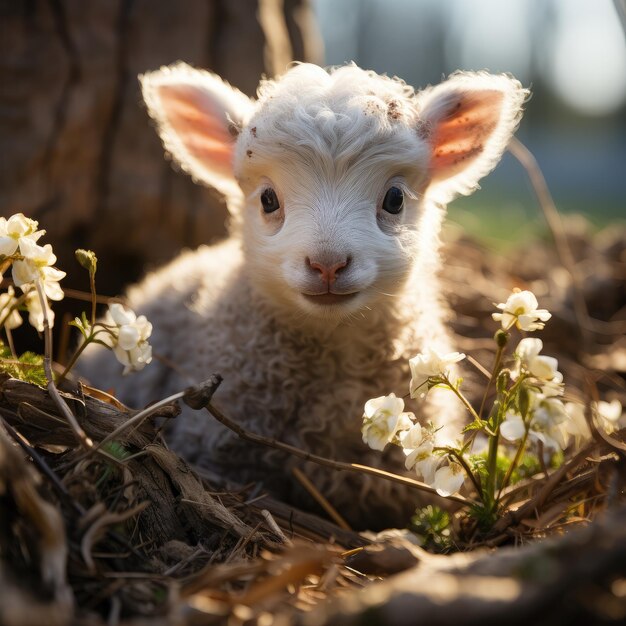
<point x="141" y="535"/>
<point x="129" y="533"/>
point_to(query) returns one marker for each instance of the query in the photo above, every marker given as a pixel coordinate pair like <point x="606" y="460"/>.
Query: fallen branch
<point x="314" y="458"/>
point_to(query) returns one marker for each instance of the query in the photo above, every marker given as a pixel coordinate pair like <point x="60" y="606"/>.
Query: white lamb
<point x="337" y="183"/>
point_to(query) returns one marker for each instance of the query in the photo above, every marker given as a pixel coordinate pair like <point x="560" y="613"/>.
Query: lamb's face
<point x="332" y="201"/>
<point x="332" y="188"/>
<point x="334" y="178"/>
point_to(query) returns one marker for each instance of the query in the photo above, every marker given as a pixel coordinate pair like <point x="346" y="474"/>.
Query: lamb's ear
<point x="199" y="117"/>
<point x="468" y="121"/>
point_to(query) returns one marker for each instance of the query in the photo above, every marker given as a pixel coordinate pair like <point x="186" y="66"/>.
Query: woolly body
<point x="331" y="145"/>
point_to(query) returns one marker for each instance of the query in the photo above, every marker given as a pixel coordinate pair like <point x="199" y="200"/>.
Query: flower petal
<point x="448" y="480"/>
<point x="128" y="337"/>
<point x="121" y="315"/>
<point x="512" y="428"/>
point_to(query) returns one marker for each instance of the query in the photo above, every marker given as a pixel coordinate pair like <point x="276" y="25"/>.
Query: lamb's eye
<point x="394" y="200"/>
<point x="269" y="200"/>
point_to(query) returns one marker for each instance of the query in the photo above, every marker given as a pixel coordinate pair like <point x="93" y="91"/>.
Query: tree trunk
<point x="77" y="149"/>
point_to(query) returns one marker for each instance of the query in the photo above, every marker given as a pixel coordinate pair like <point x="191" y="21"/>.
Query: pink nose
<point x="328" y="272"/>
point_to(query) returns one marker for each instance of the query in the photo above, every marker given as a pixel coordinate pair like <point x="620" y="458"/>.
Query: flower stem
<point x="80" y="434"/>
<point x="494" y="374"/>
<point x="73" y="360"/>
<point x="516" y="459"/>
<point x="461" y="397"/>
<point x="492" y="466"/>
<point x="92" y="289"/>
<point x="6" y="264"/>
<point x="9" y="335"/>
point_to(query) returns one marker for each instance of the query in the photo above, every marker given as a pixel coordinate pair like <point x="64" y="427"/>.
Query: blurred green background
<point x="571" y="53"/>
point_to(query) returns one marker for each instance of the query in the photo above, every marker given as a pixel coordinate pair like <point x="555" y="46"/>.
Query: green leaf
<point x="28" y="367"/>
<point x="432" y="525"/>
<point x="475" y="425"/>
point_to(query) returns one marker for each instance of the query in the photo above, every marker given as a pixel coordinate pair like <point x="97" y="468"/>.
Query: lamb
<point x="336" y="182"/>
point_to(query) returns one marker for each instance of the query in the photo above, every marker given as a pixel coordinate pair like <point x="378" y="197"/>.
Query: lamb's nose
<point x="328" y="271"/>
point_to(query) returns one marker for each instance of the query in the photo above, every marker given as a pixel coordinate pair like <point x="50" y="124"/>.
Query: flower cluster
<point x="32" y="265"/>
<point x="608" y="416"/>
<point x="33" y="272"/>
<point x="529" y="413"/>
<point x="127" y="335"/>
<point x="384" y="422"/>
<point x="539" y="414"/>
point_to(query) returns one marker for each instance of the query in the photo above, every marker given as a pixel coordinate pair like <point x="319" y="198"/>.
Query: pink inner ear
<point x="460" y="135"/>
<point x="200" y="128"/>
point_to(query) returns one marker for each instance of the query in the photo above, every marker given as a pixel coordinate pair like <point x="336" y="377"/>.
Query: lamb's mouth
<point x="329" y="298"/>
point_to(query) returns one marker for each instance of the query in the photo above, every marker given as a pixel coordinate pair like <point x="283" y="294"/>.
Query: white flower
<point x="7" y="301"/>
<point x="417" y="445"/>
<point x="382" y="419"/>
<point x="609" y="414"/>
<point x="543" y="368"/>
<point x="134" y="359"/>
<point x="14" y="230"/>
<point x="521" y="309"/>
<point x="423" y="461"/>
<point x="37" y="266"/>
<point x="427" y="365"/>
<point x="412" y="437"/>
<point x="576" y="425"/>
<point x="448" y="479"/>
<point x="547" y="415"/>
<point x="547" y="420"/>
<point x="128" y="337"/>
<point x="35" y="312"/>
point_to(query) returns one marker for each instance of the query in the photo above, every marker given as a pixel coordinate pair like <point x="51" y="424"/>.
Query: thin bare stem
<point x="9" y="335"/>
<point x="80" y="434"/>
<point x="494" y="373"/>
<point x="320" y="499"/>
<point x="138" y="418"/>
<point x="337" y="465"/>
<point x="461" y="397"/>
<point x="94" y="297"/>
<point x="478" y="366"/>
<point x="78" y="352"/>
<point x="553" y="218"/>
<point x="492" y="465"/>
<point x="514" y="463"/>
